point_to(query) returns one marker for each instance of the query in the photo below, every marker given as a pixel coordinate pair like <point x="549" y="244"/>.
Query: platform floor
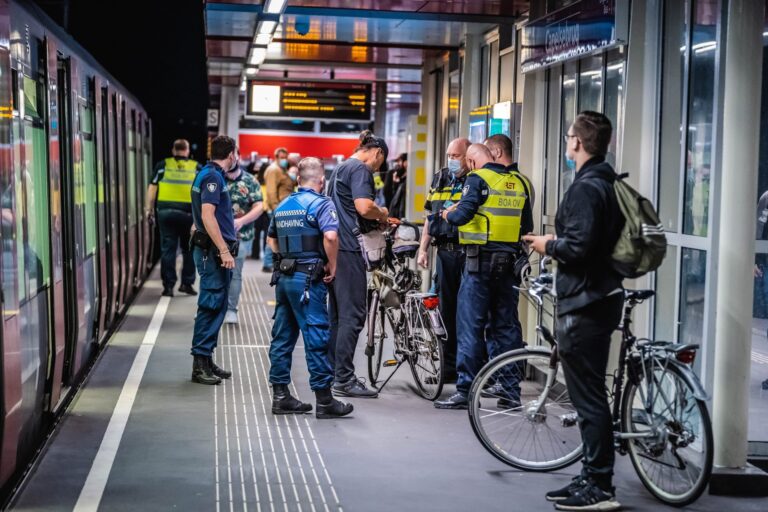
<point x="189" y="447"/>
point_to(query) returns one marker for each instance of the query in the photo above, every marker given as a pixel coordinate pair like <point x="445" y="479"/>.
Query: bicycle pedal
<point x="390" y="362"/>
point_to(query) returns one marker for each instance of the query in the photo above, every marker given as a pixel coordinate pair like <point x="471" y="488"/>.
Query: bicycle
<point x="658" y="407"/>
<point x="413" y="319"/>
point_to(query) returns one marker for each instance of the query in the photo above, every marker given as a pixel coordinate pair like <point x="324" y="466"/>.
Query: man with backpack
<point x="590" y="298"/>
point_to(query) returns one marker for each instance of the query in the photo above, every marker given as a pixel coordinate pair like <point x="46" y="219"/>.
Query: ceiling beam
<point x="368" y="13"/>
<point x="314" y="64"/>
<point x="328" y="42"/>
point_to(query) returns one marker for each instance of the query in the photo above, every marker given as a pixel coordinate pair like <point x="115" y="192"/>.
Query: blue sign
<point x="577" y="29"/>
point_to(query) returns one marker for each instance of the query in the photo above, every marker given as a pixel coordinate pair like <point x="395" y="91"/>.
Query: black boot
<point x="202" y="373"/>
<point x="219" y="372"/>
<point x="284" y="403"/>
<point x="328" y="407"/>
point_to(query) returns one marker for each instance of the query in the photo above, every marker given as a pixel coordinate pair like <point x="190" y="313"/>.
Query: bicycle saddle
<point x="638" y="294"/>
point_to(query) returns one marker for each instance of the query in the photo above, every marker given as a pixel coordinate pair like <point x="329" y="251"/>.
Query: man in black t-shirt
<point x="352" y="190"/>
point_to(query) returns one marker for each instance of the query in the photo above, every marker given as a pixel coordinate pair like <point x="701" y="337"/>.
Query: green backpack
<point x="642" y="245"/>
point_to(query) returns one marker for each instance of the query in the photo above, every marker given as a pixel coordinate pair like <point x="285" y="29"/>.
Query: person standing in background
<point x="277" y="186"/>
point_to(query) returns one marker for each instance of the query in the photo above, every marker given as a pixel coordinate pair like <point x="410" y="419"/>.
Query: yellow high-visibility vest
<point x="499" y="218"/>
<point x="176" y="185"/>
<point x="378" y="183"/>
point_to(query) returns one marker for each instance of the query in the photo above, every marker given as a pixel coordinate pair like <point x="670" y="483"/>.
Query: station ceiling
<point x="368" y="40"/>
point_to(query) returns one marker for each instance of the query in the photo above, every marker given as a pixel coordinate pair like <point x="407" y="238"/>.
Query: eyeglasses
<point x="566" y="137"/>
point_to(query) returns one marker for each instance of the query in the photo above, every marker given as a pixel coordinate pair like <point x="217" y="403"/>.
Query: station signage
<point x="309" y="100"/>
<point x="579" y="28"/>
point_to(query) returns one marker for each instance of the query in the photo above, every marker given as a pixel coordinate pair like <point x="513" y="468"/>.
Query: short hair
<point x="594" y="131"/>
<point x="403" y="157"/>
<point x="180" y="145"/>
<point x="311" y="169"/>
<point x="222" y="146"/>
<point x="280" y="150"/>
<point x="501" y="142"/>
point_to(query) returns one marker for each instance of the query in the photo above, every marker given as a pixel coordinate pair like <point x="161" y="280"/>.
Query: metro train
<point x="75" y="160"/>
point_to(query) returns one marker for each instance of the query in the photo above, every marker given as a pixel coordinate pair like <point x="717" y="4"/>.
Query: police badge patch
<point x="211" y="187"/>
<point x="333" y="214"/>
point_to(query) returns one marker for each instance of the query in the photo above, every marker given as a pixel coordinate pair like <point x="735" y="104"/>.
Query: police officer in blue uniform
<point x="303" y="235"/>
<point x="493" y="213"/>
<point x="215" y="248"/>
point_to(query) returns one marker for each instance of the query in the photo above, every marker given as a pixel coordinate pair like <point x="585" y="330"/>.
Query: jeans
<point x="487" y="322"/>
<point x="292" y="316"/>
<point x="584" y="342"/>
<point x="348" y="307"/>
<point x="174" y="231"/>
<point x="450" y="265"/>
<point x="237" y="275"/>
<point x="267" y="261"/>
<point x="211" y="303"/>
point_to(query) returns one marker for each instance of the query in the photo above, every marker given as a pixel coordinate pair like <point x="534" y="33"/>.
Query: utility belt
<point x="290" y="266"/>
<point x="501" y="263"/>
<point x="204" y="242"/>
<point x="449" y="246"/>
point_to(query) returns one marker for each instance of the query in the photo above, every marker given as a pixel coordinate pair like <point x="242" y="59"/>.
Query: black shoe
<point x="328" y="407"/>
<point x="508" y="403"/>
<point x="267" y="270"/>
<point x="167" y="292"/>
<point x="355" y="388"/>
<point x="219" y="372"/>
<point x="567" y="491"/>
<point x="458" y="400"/>
<point x="588" y="496"/>
<point x="202" y="372"/>
<point x="284" y="403"/>
<point x="188" y="289"/>
<point x="765" y="384"/>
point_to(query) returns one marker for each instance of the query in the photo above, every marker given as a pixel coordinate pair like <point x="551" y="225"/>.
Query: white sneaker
<point x="231" y="317"/>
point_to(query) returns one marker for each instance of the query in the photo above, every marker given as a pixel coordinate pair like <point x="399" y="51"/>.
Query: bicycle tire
<point x="429" y="391"/>
<point x="638" y="458"/>
<point x="527" y="365"/>
<point x="375" y="342"/>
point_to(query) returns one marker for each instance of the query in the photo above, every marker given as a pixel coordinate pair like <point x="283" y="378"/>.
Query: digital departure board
<point x="320" y="100"/>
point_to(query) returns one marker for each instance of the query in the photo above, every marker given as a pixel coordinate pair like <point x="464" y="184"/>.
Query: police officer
<point x="215" y="249"/>
<point x="446" y="191"/>
<point x="500" y="147"/>
<point x="493" y="211"/>
<point x="169" y="189"/>
<point x="303" y="235"/>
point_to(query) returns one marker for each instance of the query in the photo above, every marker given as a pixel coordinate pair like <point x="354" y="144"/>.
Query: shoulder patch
<point x="212" y="187"/>
<point x="334" y="215"/>
<point x="465" y="189"/>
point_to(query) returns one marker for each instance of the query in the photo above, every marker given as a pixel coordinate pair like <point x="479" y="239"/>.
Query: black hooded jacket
<point x="588" y="224"/>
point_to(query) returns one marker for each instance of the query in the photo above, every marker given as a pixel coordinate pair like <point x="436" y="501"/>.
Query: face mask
<point x="235" y="164"/>
<point x="570" y="163"/>
<point x="284" y="163"/>
<point x="293" y="177"/>
<point x="454" y="167"/>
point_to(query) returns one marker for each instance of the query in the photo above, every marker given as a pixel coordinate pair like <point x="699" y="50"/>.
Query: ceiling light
<point x="266" y="27"/>
<point x="394" y="95"/>
<point x="257" y="56"/>
<point x="251" y="71"/>
<point x="262" y="39"/>
<point x="275" y="6"/>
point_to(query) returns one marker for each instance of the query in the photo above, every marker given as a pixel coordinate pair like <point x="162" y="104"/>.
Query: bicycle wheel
<point x="426" y="359"/>
<point x="675" y="461"/>
<point x="522" y="414"/>
<point x="376" y="334"/>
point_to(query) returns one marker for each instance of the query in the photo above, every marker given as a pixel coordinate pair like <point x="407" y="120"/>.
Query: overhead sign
<point x="307" y="100"/>
<point x="577" y="29"/>
<point x="213" y="117"/>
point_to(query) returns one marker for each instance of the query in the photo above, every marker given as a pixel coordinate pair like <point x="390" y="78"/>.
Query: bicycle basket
<point x="406" y="240"/>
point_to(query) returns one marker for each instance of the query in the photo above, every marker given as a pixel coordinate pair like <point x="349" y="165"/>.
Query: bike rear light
<point x="686" y="356"/>
<point x="431" y="302"/>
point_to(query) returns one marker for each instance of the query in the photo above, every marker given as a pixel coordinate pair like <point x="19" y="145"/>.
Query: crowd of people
<point x="479" y="226"/>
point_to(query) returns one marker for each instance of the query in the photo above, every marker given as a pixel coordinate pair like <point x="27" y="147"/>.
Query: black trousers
<point x="450" y="265"/>
<point x="347" y="307"/>
<point x="584" y="341"/>
<point x="174" y="232"/>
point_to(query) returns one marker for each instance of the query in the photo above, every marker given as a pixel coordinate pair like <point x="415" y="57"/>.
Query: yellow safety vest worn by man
<point x="175" y="181"/>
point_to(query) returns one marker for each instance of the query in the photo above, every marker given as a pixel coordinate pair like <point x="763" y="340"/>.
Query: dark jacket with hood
<point x="588" y="224"/>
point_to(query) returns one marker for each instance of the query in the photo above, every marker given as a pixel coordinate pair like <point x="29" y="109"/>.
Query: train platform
<point x="141" y="436"/>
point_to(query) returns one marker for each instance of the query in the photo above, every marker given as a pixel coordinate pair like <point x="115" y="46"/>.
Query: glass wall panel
<point x="591" y="84"/>
<point x="701" y="96"/>
<point x="493" y="94"/>
<point x="692" y="283"/>
<point x="614" y="102"/>
<point x="568" y="114"/>
<point x="485" y="69"/>
<point x="666" y="285"/>
<point x="671" y="138"/>
<point x="554" y="136"/>
<point x="507" y="77"/>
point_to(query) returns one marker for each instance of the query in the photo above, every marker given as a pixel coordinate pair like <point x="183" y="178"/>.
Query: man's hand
<point x="238" y="225"/>
<point x="423" y="258"/>
<point x="227" y="261"/>
<point x="538" y="243"/>
<point x="444" y="213"/>
<point x="384" y="216"/>
<point x="330" y="273"/>
<point x="150" y="214"/>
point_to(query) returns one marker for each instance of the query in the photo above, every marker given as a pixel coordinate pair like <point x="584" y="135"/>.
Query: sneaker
<point x="458" y="400"/>
<point x="231" y="317"/>
<point x="167" y="292"/>
<point x="493" y="391"/>
<point x="355" y="388"/>
<point x="589" y="496"/>
<point x="188" y="289"/>
<point x="567" y="491"/>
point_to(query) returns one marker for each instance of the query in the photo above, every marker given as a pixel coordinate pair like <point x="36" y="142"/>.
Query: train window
<point x="90" y="177"/>
<point x="15" y="215"/>
<point x="30" y="97"/>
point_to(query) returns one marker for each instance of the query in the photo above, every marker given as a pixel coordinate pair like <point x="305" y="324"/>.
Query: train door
<point x="110" y="221"/>
<point x="131" y="196"/>
<point x="73" y="212"/>
<point x="101" y="215"/>
<point x="141" y="179"/>
<point x="116" y="204"/>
